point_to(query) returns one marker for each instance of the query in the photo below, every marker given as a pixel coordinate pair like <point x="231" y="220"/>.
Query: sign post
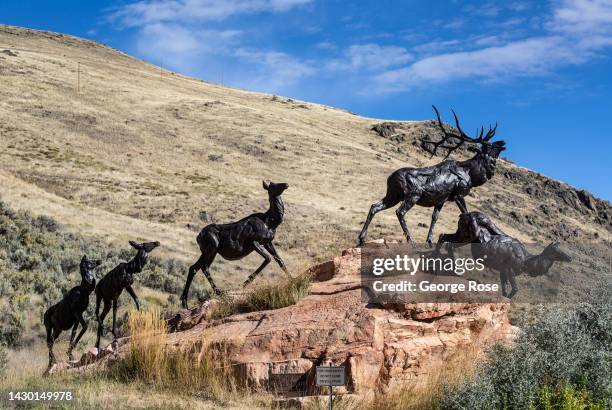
<point x="330" y="376"/>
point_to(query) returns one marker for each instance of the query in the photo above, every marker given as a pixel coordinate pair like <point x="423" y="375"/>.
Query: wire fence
<point x="143" y="69"/>
<point x="152" y="71"/>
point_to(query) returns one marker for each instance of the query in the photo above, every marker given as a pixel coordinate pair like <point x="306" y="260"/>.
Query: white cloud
<point x="454" y="24"/>
<point x="370" y="57"/>
<point x="172" y="38"/>
<point x="532" y="56"/>
<point x="182" y="35"/>
<point x="181" y="48"/>
<point x="272" y="71"/>
<point x="435" y="46"/>
<point x="487" y="41"/>
<point x="578" y="30"/>
<point x="156" y="11"/>
<point x="589" y="16"/>
<point x="274" y="59"/>
<point x="326" y="45"/>
<point x="486" y="9"/>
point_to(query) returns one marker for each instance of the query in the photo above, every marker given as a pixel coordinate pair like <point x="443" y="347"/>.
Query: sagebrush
<point x="39" y="263"/>
<point x="565" y="353"/>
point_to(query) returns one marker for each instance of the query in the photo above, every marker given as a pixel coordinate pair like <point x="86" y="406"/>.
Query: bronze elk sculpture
<point x="472" y="227"/>
<point x="435" y="185"/>
<point x="68" y="312"/>
<point x="236" y="240"/>
<point x="501" y="252"/>
<point x="114" y="282"/>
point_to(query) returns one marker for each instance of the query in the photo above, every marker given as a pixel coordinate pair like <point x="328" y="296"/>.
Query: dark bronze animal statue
<point x="502" y="252"/>
<point x="236" y="240"/>
<point x="472" y="227"/>
<point x="68" y="312"/>
<point x="447" y="181"/>
<point x="121" y="277"/>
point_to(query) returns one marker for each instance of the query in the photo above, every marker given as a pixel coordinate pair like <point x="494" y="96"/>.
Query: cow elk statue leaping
<point x="447" y="181"/>
<point x="236" y="240"/>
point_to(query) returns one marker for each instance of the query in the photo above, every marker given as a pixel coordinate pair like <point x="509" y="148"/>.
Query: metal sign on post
<point x="331" y="376"/>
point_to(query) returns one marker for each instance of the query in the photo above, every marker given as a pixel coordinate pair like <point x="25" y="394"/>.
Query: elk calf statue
<point x="121" y="277"/>
<point x="502" y="252"/>
<point x="447" y="181"/>
<point x="236" y="240"/>
<point x="68" y="312"/>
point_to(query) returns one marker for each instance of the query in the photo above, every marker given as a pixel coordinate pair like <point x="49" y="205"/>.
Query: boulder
<point x="380" y="347"/>
<point x="186" y="319"/>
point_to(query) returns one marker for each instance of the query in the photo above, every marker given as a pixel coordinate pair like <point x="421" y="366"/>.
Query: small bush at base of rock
<point x="564" y="356"/>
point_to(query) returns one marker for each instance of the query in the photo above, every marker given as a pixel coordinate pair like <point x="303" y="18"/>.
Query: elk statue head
<point x="486" y="151"/>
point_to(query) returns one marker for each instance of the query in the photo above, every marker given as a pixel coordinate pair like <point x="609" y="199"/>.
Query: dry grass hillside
<point x="117" y="148"/>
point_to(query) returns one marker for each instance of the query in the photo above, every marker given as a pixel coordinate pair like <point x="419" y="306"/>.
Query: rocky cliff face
<point x="380" y="346"/>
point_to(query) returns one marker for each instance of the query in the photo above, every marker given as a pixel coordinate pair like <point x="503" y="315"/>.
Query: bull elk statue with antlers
<point x="447" y="181"/>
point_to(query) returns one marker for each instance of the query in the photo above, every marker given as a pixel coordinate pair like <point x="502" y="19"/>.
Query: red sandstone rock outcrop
<point x="379" y="346"/>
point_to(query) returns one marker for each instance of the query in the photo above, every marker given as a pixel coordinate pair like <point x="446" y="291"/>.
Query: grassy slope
<point x="140" y="151"/>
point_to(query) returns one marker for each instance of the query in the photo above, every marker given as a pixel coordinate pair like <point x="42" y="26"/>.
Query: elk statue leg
<point x="209" y="278"/>
<point x="130" y="291"/>
<point x="434" y="218"/>
<point x="192" y="271"/>
<point x="203" y="263"/>
<point x="101" y="317"/>
<point x="83" y="324"/>
<point x="260" y="250"/>
<point x="460" y="201"/>
<point x="401" y="212"/>
<point x="374" y="209"/>
<point x="503" y="280"/>
<point x="72" y="336"/>
<point x="270" y="248"/>
<point x="512" y="284"/>
<point x="51" y="336"/>
<point x="114" y="321"/>
<point x="449" y="239"/>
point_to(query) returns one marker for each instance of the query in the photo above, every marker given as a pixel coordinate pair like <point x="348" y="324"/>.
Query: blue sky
<point x="539" y="68"/>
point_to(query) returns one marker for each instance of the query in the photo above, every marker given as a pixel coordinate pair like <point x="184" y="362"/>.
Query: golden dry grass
<point x="426" y="393"/>
<point x="147" y="345"/>
<point x="150" y="378"/>
<point x="25" y="372"/>
<point x="265" y="294"/>
<point x="191" y="370"/>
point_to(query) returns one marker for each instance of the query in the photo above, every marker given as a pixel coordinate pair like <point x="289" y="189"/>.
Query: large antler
<point x="462" y="137"/>
<point x="447" y="138"/>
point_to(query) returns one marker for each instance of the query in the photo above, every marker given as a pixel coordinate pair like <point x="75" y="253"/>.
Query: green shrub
<point x="11" y="326"/>
<point x="567" y="398"/>
<point x="3" y="359"/>
<point x="566" y="348"/>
